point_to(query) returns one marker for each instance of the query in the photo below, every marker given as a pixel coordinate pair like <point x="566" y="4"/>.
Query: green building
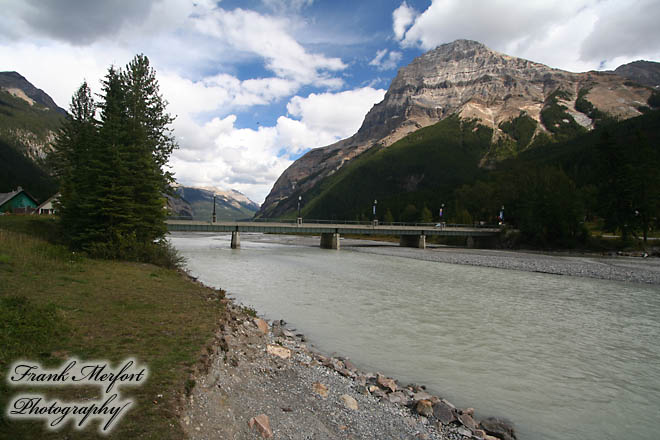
<point x="18" y="201"/>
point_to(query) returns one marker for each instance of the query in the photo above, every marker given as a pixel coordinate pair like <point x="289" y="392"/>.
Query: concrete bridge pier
<point x="329" y="240"/>
<point x="415" y="241"/>
<point x="235" y="240"/>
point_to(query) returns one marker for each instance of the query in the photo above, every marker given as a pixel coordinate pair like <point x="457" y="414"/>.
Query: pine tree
<point x="113" y="171"/>
<point x="152" y="144"/>
<point x="74" y="148"/>
<point x="426" y="216"/>
<point x="113" y="192"/>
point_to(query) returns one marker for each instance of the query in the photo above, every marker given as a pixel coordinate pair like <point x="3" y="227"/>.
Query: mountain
<point x="17" y="85"/>
<point x="198" y="204"/>
<point x="521" y="104"/>
<point x="29" y="118"/>
<point x="18" y="170"/>
<point x="641" y="72"/>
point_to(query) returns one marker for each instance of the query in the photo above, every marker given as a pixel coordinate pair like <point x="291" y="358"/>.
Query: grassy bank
<point x="55" y="304"/>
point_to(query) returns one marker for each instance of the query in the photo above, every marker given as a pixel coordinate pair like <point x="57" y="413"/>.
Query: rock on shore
<point x="261" y="381"/>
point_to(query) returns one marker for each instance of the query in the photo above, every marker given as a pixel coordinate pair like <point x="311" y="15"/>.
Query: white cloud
<point x="287" y="6"/>
<point x="495" y="22"/>
<point x="339" y="114"/>
<point x="574" y="35"/>
<point x="267" y="37"/>
<point x="59" y="69"/>
<point x="402" y="18"/>
<point x="378" y="59"/>
<point x="219" y="153"/>
<point x="386" y="63"/>
<point x="195" y="49"/>
<point x="624" y="29"/>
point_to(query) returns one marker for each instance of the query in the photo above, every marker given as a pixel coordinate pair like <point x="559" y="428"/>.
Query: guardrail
<point x="350" y="222"/>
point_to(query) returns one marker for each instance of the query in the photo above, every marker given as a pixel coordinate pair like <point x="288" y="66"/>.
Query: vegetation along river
<point x="562" y="357"/>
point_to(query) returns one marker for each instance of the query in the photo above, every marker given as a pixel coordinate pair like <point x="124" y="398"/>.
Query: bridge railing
<point x="433" y="225"/>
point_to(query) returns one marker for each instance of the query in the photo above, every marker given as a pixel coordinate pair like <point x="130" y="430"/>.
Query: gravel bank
<point x="254" y="370"/>
<point x="615" y="268"/>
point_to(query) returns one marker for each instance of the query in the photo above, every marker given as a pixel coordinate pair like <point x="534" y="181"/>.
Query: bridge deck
<point x="325" y="228"/>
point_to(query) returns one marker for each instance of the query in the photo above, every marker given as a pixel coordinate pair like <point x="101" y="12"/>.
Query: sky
<point x="255" y="84"/>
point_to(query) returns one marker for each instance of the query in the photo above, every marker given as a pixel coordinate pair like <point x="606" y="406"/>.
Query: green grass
<point x="56" y="304"/>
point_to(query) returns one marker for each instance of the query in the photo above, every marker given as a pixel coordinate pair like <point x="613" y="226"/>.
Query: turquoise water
<point x="562" y="357"/>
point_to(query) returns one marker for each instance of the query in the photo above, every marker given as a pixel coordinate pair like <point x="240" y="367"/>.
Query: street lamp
<point x="442" y="208"/>
<point x="213" y="208"/>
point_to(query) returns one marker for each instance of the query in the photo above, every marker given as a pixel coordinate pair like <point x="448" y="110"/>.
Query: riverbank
<point x="264" y="380"/>
<point x="56" y="305"/>
<point x="526" y="345"/>
<point x="211" y="366"/>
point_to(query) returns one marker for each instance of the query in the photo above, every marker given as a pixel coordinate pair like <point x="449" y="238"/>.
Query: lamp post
<point x="213" y="208"/>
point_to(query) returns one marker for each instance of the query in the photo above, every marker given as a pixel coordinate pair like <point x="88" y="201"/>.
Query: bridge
<point x="411" y="235"/>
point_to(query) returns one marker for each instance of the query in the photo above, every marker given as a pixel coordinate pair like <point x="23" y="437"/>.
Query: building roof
<point x="6" y="197"/>
<point x="50" y="199"/>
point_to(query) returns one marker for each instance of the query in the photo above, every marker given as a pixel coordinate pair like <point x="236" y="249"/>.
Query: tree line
<point x="607" y="179"/>
<point x="614" y="182"/>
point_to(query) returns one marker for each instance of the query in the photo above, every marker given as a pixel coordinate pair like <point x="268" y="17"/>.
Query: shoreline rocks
<point x="272" y="380"/>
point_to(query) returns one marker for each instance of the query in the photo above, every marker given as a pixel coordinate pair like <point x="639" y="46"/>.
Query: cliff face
<point x="465" y="78"/>
<point x="29" y="118"/>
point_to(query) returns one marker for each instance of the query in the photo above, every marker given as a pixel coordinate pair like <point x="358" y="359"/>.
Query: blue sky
<point x="257" y="83"/>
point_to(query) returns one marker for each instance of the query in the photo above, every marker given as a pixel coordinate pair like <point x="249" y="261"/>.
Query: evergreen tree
<point x="426" y="216"/>
<point x="629" y="193"/>
<point x="113" y="193"/>
<point x="152" y="144"/>
<point x="74" y="148"/>
<point x="113" y="171"/>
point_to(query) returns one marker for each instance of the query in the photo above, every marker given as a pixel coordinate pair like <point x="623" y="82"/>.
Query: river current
<point x="562" y="357"/>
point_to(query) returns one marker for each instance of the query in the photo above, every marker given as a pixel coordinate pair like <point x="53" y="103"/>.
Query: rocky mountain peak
<point x="456" y="51"/>
<point x="642" y="72"/>
<point x="468" y="79"/>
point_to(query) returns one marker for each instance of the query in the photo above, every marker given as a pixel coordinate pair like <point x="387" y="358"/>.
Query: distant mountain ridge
<point x="14" y="81"/>
<point x="642" y="72"/>
<point x="197" y="203"/>
<point x="29" y="118"/>
<point x="524" y="103"/>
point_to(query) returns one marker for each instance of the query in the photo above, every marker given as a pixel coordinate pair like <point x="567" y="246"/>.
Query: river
<point x="563" y="357"/>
